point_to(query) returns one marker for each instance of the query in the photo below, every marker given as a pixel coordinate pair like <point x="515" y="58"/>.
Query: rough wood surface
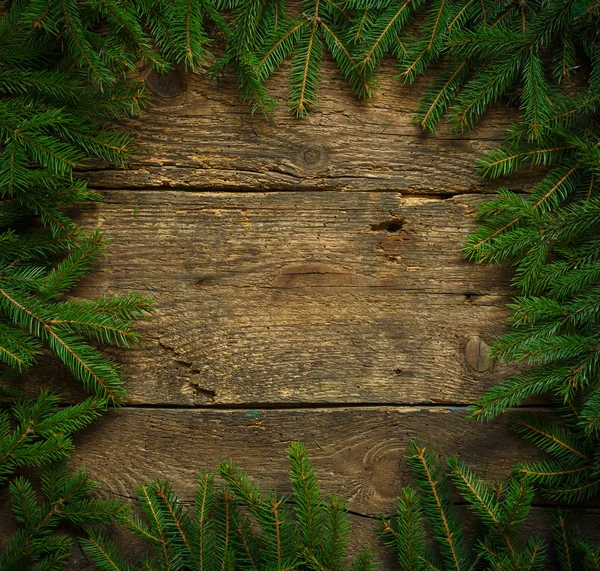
<point x="281" y="298"/>
<point x="285" y="299"/>
<point x="196" y="136"/>
<point x="356" y="451"/>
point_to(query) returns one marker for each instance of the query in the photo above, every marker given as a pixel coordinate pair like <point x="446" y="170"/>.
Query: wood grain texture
<point x="281" y="298"/>
<point x="199" y="136"/>
<point x="357" y="451"/>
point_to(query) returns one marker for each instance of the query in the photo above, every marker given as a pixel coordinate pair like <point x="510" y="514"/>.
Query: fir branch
<point x="304" y="74"/>
<point x="40" y="433"/>
<point x="437" y="506"/>
<point x="66" y="500"/>
<point x="405" y="533"/>
<point x="307" y="493"/>
<point x="503" y="161"/>
<point x="384" y="32"/>
<point x="551" y="438"/>
<point x="103" y="553"/>
<point x="567" y="555"/>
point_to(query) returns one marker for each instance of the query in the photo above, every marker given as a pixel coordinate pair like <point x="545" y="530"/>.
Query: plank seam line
<point x="251" y="190"/>
<point x="317" y="407"/>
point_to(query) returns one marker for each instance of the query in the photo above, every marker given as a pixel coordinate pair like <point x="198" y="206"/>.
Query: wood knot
<point x="312" y="156"/>
<point x="166" y="86"/>
<point x="477" y="353"/>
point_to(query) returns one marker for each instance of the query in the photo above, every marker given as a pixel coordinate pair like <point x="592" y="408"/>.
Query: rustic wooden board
<point x="356" y="451"/>
<point x="281" y="298"/>
<point x="276" y="291"/>
<point x="290" y="240"/>
<point x="196" y="136"/>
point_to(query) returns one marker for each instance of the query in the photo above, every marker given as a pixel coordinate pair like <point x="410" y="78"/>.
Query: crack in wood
<point x="392" y="225"/>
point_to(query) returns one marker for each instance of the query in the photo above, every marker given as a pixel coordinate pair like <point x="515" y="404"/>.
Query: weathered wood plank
<point x="301" y="297"/>
<point x="199" y="136"/>
<point x="291" y="240"/>
<point x="357" y="452"/>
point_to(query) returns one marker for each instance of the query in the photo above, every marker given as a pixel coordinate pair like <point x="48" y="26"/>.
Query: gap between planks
<point x="323" y="407"/>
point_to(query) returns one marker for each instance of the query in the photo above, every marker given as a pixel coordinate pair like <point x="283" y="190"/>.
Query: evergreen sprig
<point x="37" y="432"/>
<point x="429" y="511"/>
<point x="236" y="525"/>
<point x="264" y="35"/>
<point x="38" y="544"/>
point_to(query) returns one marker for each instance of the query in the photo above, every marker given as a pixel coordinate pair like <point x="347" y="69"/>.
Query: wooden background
<point x="309" y="285"/>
